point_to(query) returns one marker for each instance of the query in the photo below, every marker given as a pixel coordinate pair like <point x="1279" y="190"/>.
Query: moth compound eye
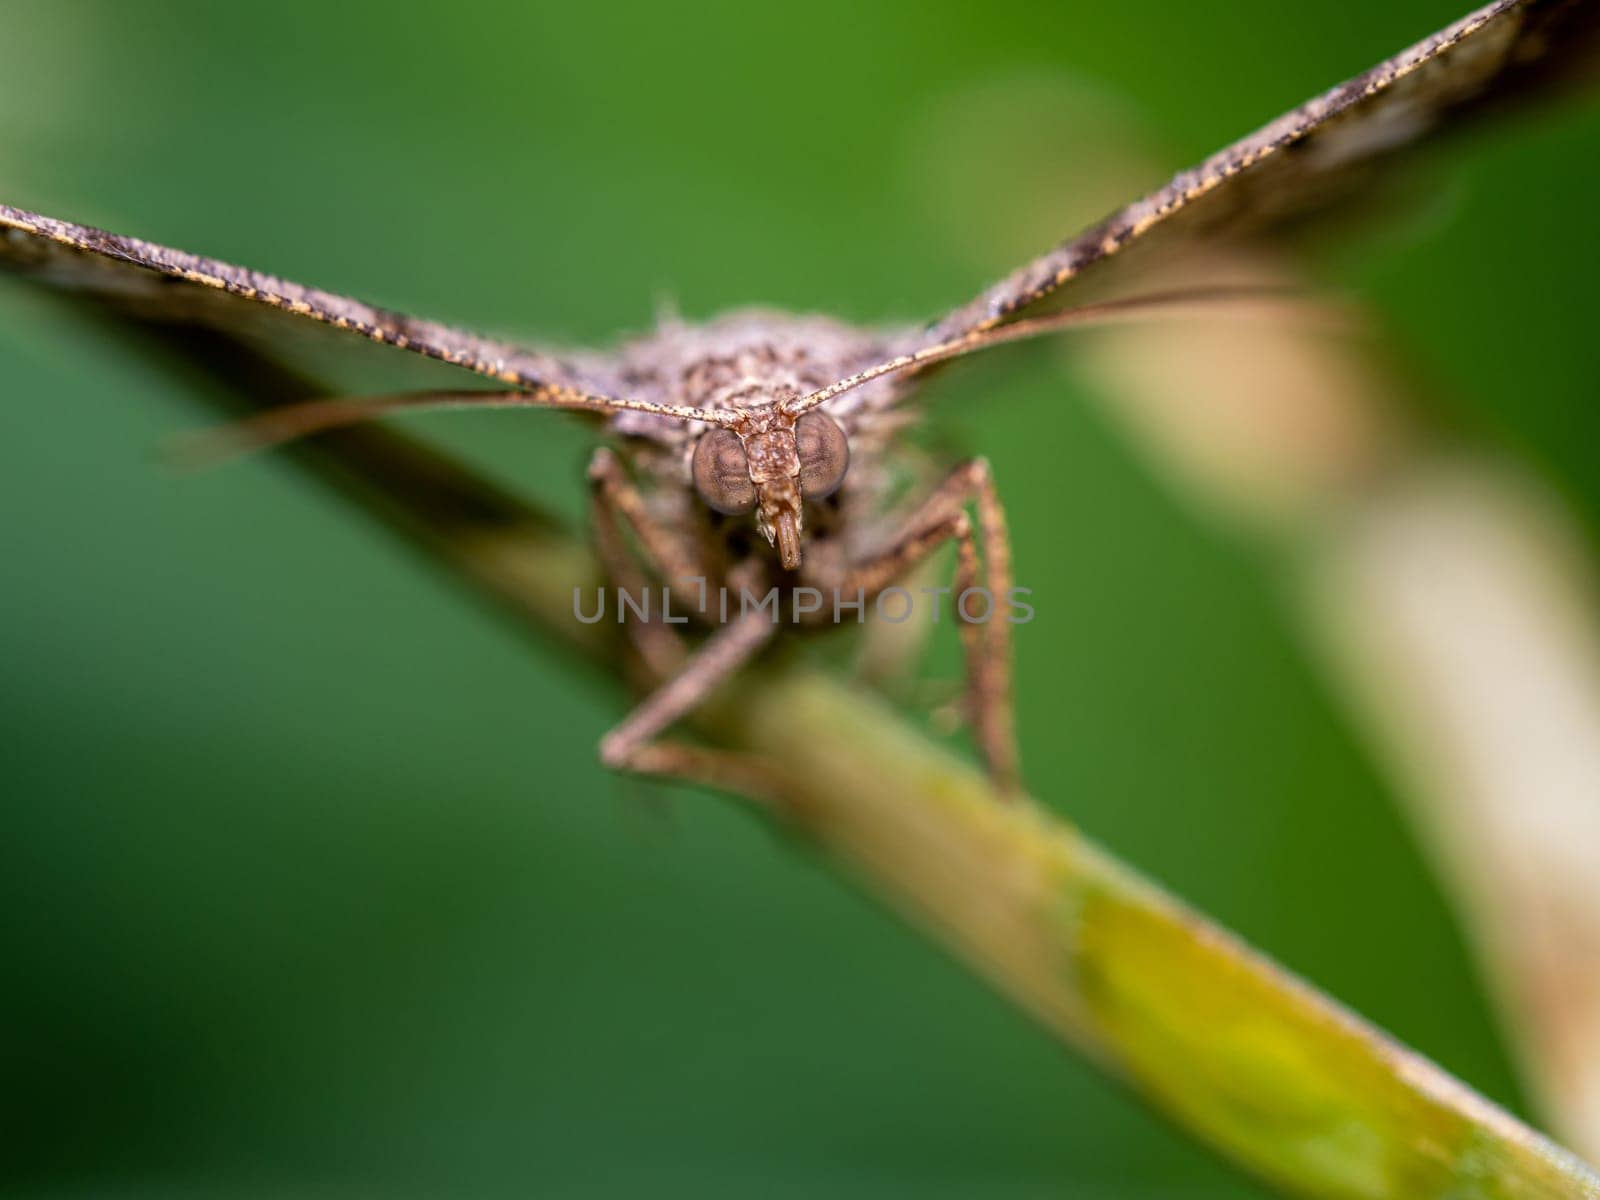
<point x="722" y="473"/>
<point x="824" y="454"/>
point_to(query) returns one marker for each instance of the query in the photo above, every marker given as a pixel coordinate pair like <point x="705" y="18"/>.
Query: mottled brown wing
<point x="1317" y="155"/>
<point x="157" y="282"/>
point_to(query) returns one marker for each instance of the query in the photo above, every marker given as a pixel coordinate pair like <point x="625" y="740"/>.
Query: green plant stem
<point x="1247" y="1058"/>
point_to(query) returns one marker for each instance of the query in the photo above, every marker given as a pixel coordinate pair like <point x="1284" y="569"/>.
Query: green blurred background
<point x="312" y="883"/>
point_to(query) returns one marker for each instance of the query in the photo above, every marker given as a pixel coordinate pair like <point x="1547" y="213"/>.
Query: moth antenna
<point x="275" y="427"/>
<point x="1106" y="312"/>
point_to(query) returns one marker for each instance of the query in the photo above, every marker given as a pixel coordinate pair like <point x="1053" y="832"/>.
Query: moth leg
<point x="611" y="496"/>
<point x="632" y="745"/>
<point x="676" y="563"/>
<point x="986" y="643"/>
<point x="889" y="651"/>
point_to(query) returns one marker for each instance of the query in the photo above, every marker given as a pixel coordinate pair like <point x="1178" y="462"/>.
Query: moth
<point x="746" y="453"/>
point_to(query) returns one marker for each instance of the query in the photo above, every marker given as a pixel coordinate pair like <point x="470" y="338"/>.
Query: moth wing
<point x="1309" y="160"/>
<point x="154" y="282"/>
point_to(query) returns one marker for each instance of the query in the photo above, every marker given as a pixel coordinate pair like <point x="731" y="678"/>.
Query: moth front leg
<point x="632" y="745"/>
<point x="986" y="643"/>
<point x="674" y="561"/>
<point x="614" y="500"/>
<point x="689" y="678"/>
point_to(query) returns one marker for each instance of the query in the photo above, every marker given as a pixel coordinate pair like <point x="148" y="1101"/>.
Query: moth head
<point x="768" y="463"/>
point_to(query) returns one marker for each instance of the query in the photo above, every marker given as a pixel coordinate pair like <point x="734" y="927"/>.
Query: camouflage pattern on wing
<point x="1317" y="155"/>
<point x="159" y="283"/>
